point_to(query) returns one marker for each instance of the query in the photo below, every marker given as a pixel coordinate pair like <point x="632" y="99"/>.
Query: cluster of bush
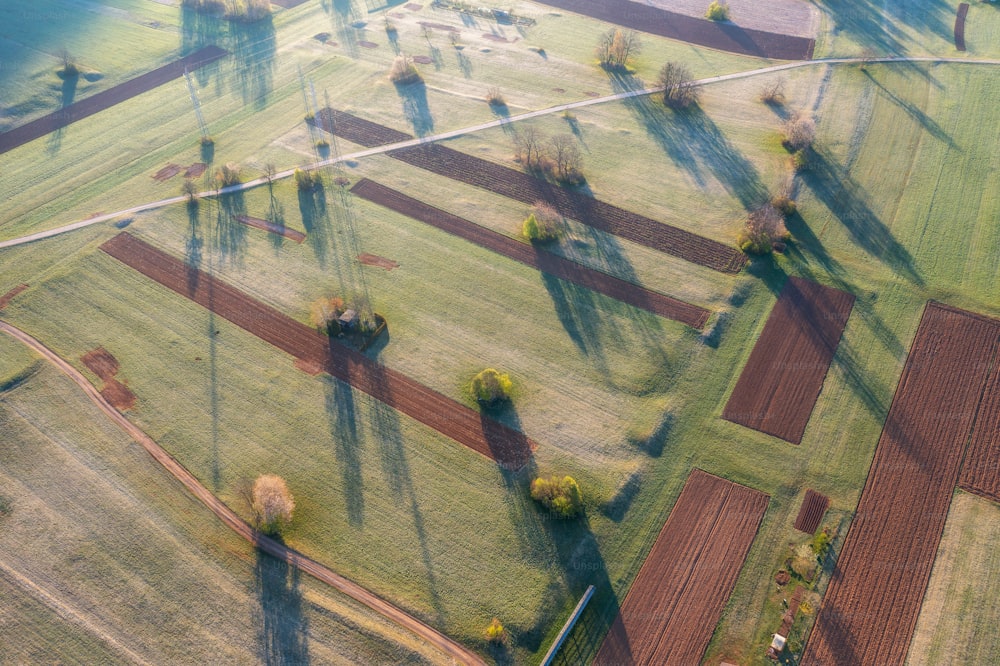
<point x="403" y="71"/>
<point x="543" y="224"/>
<point x="559" y="157"/>
<point x="560" y="495"/>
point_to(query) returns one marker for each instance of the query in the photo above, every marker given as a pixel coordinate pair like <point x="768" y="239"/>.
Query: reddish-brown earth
<point x="105" y="366"/>
<point x="721" y="35"/>
<point x="871" y="606"/>
<point x="523" y="187"/>
<point x="963" y="11"/>
<point x="782" y="379"/>
<point x="670" y="612"/>
<point x="508" y="447"/>
<point x="423" y="60"/>
<point x="195" y="170"/>
<point x="981" y="468"/>
<point x="368" y="45"/>
<point x="375" y="260"/>
<point x="554" y="265"/>
<point x="167" y="172"/>
<point x="271" y="227"/>
<point x="107" y="98"/>
<point x="9" y="296"/>
<point x="811" y="513"/>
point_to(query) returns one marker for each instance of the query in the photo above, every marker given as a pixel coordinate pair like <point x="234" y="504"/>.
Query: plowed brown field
<point x="271" y="227"/>
<point x="963" y="11"/>
<point x="523" y="187"/>
<point x="509" y="447"/>
<point x="782" y="378"/>
<point x="677" y="599"/>
<point x="105" y="366"/>
<point x="721" y="35"/>
<point x="811" y="513"/>
<point x="877" y="588"/>
<point x="981" y="468"/>
<point x="107" y="98"/>
<point x="552" y="264"/>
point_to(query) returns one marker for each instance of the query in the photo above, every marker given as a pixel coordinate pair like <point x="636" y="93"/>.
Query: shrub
<point x="323" y="313"/>
<point x="799" y="132"/>
<point x="821" y="544"/>
<point x="717" y="11"/>
<point x="542" y="223"/>
<point x="617" y="47"/>
<point x="800" y="160"/>
<point x="228" y="174"/>
<point x="403" y="71"/>
<point x="190" y="190"/>
<point x="308" y="181"/>
<point x="804" y="561"/>
<point x="491" y="387"/>
<point x="562" y="496"/>
<point x="679" y="89"/>
<point x="495" y="633"/>
<point x="272" y="503"/>
<point x="773" y="92"/>
<point x="763" y="227"/>
<point x="784" y="204"/>
<point x="495" y="98"/>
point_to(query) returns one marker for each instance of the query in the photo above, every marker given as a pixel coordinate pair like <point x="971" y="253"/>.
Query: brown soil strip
<point x="682" y="588"/>
<point x="413" y="7"/>
<point x="195" y="170"/>
<point x="963" y="11"/>
<point x="167" y="172"/>
<point x="287" y="4"/>
<point x="723" y="36"/>
<point x="423" y="60"/>
<point x="9" y="296"/>
<point x="104" y="365"/>
<point x="874" y="598"/>
<point x="277" y="229"/>
<point x="375" y="260"/>
<point x="981" y="468"/>
<point x="508" y="447"/>
<point x="367" y="44"/>
<point x="523" y="187"/>
<point x="107" y="98"/>
<point x="811" y="513"/>
<point x="793" y="607"/>
<point x="552" y="264"/>
<point x="781" y="381"/>
<point x="234" y="522"/>
<point x="438" y="26"/>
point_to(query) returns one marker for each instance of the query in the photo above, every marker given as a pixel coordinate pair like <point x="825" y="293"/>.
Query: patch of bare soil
<point x="104" y="365"/>
<point x="195" y="170"/>
<point x="375" y="260"/>
<point x="9" y="296"/>
<point x="167" y="172"/>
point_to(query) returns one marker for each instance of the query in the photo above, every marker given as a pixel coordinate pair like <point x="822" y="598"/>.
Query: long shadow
<point x="193" y="246"/>
<point x="415" y="107"/>
<point x="230" y="236"/>
<point x="282" y="626"/>
<point x="276" y="216"/>
<point x="341" y="414"/>
<point x="847" y="200"/>
<point x="343" y="14"/>
<point x="199" y="30"/>
<point x="694" y="142"/>
<point x="464" y="63"/>
<point x="253" y="46"/>
<point x="396" y="470"/>
<point x="316" y="220"/>
<point x="876" y="25"/>
<point x="915" y="112"/>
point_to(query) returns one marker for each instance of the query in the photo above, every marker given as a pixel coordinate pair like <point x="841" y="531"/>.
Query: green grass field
<point x="899" y="206"/>
<point x="106" y="559"/>
<point x="958" y="615"/>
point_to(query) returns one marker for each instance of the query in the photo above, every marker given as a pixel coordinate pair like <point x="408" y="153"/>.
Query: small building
<point x="348" y="321"/>
<point x="777" y="645"/>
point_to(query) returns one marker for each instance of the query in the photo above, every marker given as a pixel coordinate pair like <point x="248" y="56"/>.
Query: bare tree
<point x="773" y="92"/>
<point x="616" y="47"/>
<point x="529" y="144"/>
<point x="800" y="131"/>
<point x="566" y="158"/>
<point x="679" y="89"/>
<point x="272" y="504"/>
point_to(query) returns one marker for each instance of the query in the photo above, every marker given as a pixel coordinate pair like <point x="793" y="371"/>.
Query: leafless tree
<point x="566" y="157"/>
<point x="679" y="89"/>
<point x="800" y="131"/>
<point x="616" y="47"/>
<point x="529" y="143"/>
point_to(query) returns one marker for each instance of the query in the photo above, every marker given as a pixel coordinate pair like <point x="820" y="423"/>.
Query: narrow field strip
<point x="671" y="611"/>
<point x="874" y="598"/>
<point x="234" y="522"/>
<point x="527" y="189"/>
<point x="721" y="35"/>
<point x="781" y="381"/>
<point x="981" y="467"/>
<point x="107" y="98"/>
<point x="963" y="12"/>
<point x="811" y="512"/>
<point x="554" y="265"/>
<point x="271" y="227"/>
<point x="508" y="447"/>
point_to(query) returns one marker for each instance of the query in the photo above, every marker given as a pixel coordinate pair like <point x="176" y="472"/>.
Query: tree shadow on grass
<point x="316" y="220"/>
<point x="341" y="414"/>
<point x="282" y="627"/>
<point x="198" y="30"/>
<point x="230" y="234"/>
<point x="876" y="26"/>
<point x="929" y="124"/>
<point x="343" y="14"/>
<point x="193" y="246"/>
<point x="415" y="107"/>
<point x="253" y="46"/>
<point x="464" y="63"/>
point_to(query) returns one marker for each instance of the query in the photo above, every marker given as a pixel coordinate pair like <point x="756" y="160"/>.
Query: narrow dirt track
<point x="227" y="516"/>
<point x="508" y="447"/>
<point x="554" y="265"/>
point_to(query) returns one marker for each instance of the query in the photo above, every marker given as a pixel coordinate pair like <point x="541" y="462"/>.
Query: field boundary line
<point x="287" y="173"/>
<point x="237" y="524"/>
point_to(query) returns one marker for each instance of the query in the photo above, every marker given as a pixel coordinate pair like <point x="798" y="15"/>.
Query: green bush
<point x="496" y="633"/>
<point x="307" y="181"/>
<point x="562" y="496"/>
<point x="228" y="175"/>
<point x="785" y="205"/>
<point x="800" y="160"/>
<point x="717" y="11"/>
<point x="540" y="228"/>
<point x="491" y="387"/>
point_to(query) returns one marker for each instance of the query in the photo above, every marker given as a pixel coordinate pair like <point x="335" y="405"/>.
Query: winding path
<point x="476" y="128"/>
<point x="229" y="517"/>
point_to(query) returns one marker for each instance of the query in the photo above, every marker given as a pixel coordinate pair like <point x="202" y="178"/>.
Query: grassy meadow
<point x="898" y="206"/>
